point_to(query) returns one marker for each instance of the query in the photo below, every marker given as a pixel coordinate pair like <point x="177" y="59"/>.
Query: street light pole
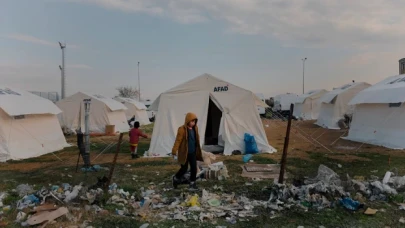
<point x="303" y="74"/>
<point x="62" y="68"/>
<point x="139" y="85"/>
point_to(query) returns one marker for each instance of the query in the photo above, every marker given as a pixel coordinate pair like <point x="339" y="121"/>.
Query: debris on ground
<point x="24" y="189"/>
<point x="370" y="211"/>
<point x="262" y="171"/>
<point x="152" y="203"/>
<point x="350" y="204"/>
<point x="327" y="189"/>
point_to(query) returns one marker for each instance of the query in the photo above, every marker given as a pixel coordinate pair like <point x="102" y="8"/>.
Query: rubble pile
<point x="327" y="190"/>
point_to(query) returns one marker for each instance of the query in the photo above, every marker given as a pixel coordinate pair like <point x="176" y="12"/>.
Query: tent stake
<point x="286" y="142"/>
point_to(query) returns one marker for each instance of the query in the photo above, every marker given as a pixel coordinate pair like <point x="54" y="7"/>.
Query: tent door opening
<point x="213" y="124"/>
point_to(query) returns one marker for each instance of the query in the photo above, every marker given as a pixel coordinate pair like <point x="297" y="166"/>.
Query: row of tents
<point x="378" y="111"/>
<point x="31" y="126"/>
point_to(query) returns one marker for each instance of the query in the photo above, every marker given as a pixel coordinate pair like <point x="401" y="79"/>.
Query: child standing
<point x="134" y="135"/>
<point x="188" y="150"/>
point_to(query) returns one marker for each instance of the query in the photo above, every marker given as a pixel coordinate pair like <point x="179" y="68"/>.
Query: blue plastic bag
<point x="247" y="157"/>
<point x="250" y="144"/>
<point x="350" y="204"/>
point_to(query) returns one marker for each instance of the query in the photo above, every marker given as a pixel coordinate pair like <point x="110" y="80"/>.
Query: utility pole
<point x="139" y="85"/>
<point x="62" y="69"/>
<point x="303" y="74"/>
<point x="86" y="158"/>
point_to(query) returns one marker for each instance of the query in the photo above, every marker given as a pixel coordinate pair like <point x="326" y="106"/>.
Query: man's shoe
<point x="193" y="187"/>
<point x="175" y="181"/>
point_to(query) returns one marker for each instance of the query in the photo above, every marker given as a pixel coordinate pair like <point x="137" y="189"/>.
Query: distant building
<point x="52" y="96"/>
<point x="402" y="66"/>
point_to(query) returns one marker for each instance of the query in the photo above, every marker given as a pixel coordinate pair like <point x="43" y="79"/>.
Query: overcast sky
<point x="255" y="44"/>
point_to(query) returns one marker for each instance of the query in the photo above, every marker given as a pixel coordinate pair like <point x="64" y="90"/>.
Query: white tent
<point x="260" y="108"/>
<point x="335" y="104"/>
<point x="379" y="116"/>
<point x="134" y="108"/>
<point x="308" y="105"/>
<point x="103" y="111"/>
<point x="225" y="112"/>
<point x="282" y="102"/>
<point x="28" y="125"/>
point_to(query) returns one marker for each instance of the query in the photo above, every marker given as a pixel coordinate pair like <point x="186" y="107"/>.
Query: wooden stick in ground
<point x="286" y="142"/>
<point x="78" y="159"/>
<point x="114" y="161"/>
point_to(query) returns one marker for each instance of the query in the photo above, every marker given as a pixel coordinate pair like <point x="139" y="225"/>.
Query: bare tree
<point x="128" y="91"/>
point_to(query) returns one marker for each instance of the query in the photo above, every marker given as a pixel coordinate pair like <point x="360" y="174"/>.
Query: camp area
<point x="212" y="114"/>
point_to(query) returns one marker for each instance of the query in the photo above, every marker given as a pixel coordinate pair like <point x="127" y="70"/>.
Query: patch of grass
<point x="11" y="198"/>
<point x="121" y="222"/>
<point x="262" y="159"/>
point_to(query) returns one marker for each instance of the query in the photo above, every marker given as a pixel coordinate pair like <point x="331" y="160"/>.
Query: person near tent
<point x="134" y="135"/>
<point x="187" y="148"/>
<point x="133" y="119"/>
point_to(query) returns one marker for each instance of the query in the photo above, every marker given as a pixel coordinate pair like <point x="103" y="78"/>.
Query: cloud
<point x="310" y="23"/>
<point x="79" y="66"/>
<point x="35" y="40"/>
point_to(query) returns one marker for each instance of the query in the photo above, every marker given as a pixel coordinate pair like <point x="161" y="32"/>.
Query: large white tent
<point x="379" y="116"/>
<point x="29" y="126"/>
<point x="103" y="111"/>
<point x="282" y="102"/>
<point x="335" y="104"/>
<point x="134" y="108"/>
<point x="308" y="105"/>
<point x="225" y="113"/>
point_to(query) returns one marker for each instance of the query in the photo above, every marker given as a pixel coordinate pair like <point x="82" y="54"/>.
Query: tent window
<point x="20" y="117"/>
<point x="394" y="105"/>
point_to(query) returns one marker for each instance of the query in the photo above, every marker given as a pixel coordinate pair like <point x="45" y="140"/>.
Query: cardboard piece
<point x="370" y="211"/>
<point x="47" y="216"/>
<point x="45" y="207"/>
<point x="262" y="171"/>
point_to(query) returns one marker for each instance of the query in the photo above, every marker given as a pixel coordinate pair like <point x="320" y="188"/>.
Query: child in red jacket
<point x="134" y="135"/>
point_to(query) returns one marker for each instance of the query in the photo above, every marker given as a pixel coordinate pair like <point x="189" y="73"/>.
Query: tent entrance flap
<point x="213" y="122"/>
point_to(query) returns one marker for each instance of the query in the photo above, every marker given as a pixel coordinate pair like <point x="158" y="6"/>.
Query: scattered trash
<point x="27" y="201"/>
<point x="47" y="216"/>
<point x="386" y="177"/>
<point x="231" y="220"/>
<point x="263" y="171"/>
<point x="214" y="202"/>
<point x="370" y="211"/>
<point x="350" y="204"/>
<point x="72" y="195"/>
<point x="250" y="144"/>
<point x="180" y="217"/>
<point x="339" y="165"/>
<point x="3" y="195"/>
<point x="24" y="189"/>
<point x="247" y="157"/>
<point x="193" y="201"/>
<point x="21" y="216"/>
